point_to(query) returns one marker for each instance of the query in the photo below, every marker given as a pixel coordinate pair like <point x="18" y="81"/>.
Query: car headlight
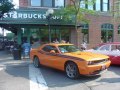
<point x="90" y="63"/>
<point x="97" y="62"/>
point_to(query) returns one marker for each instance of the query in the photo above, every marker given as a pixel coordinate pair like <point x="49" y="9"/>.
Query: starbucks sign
<point x="29" y="15"/>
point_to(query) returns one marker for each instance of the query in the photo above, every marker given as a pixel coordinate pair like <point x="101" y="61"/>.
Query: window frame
<point x="35" y="5"/>
<point x="104" y="4"/>
<point x="42" y="4"/>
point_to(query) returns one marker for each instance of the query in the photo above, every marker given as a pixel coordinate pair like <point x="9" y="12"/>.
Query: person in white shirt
<point x="84" y="45"/>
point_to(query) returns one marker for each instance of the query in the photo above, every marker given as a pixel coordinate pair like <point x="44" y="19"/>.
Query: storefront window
<point x="47" y="3"/>
<point x="59" y="3"/>
<point x="105" y="5"/>
<point x="35" y="2"/>
<point x="97" y="5"/>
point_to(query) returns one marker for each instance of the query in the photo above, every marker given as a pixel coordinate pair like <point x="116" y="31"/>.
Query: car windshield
<point x="95" y="48"/>
<point x="68" y="48"/>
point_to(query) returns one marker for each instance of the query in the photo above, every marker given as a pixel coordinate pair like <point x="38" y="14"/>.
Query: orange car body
<point x="88" y="63"/>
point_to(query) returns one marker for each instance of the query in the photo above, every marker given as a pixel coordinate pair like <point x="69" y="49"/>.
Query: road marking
<point x="1" y="69"/>
<point x="37" y="81"/>
<point x="6" y="58"/>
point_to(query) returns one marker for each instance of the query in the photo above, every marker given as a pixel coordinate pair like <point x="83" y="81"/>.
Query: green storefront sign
<point x="31" y="16"/>
<point x="27" y="18"/>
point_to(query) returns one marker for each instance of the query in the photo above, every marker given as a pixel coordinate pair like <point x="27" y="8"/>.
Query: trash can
<point x="16" y="54"/>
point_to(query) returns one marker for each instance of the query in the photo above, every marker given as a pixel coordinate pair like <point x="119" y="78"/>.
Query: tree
<point x="5" y="7"/>
<point x="115" y="11"/>
<point x="76" y="12"/>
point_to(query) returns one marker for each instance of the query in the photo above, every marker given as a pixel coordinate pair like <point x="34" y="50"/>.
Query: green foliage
<point x="10" y="36"/>
<point x="115" y="10"/>
<point x="5" y="7"/>
<point x="75" y="13"/>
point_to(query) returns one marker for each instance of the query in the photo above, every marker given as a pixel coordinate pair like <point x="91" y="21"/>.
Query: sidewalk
<point x="14" y="74"/>
<point x="6" y="59"/>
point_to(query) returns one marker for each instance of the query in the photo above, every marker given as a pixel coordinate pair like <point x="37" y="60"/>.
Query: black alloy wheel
<point x="71" y="70"/>
<point x="36" y="62"/>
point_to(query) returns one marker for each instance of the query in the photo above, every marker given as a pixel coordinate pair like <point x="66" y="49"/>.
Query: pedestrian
<point x="26" y="47"/>
<point x="63" y="41"/>
<point x="84" y="45"/>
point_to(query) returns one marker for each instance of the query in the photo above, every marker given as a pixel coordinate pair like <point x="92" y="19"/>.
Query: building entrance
<point x="42" y="34"/>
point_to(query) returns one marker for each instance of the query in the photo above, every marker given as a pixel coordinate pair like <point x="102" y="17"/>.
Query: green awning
<point x="32" y="16"/>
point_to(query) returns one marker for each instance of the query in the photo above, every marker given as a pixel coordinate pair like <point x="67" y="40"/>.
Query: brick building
<point x="102" y="27"/>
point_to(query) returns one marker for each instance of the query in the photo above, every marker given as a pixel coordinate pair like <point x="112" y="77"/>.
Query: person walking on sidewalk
<point x="84" y="45"/>
<point x="26" y="47"/>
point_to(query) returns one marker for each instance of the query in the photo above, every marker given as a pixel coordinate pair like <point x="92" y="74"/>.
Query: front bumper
<point x="92" y="70"/>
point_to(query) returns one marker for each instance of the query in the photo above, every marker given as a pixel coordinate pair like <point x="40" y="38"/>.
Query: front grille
<point x="100" y="61"/>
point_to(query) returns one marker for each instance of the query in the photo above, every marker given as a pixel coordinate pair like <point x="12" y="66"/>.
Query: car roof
<point x="58" y="44"/>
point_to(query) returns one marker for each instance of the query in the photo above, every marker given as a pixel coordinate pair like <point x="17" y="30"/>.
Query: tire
<point x="71" y="70"/>
<point x="36" y="62"/>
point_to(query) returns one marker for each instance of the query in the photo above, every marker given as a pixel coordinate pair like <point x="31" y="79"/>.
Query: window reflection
<point x="105" y="5"/>
<point x="100" y="5"/>
<point x="82" y="4"/>
<point x="90" y="5"/>
<point x="59" y="3"/>
<point x="35" y="2"/>
<point x="97" y="5"/>
<point x="47" y="3"/>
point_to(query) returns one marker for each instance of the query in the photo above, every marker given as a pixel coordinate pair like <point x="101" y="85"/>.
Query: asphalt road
<point x="56" y="80"/>
<point x="21" y="75"/>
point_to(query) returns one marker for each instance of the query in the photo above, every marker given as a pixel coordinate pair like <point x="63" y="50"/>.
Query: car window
<point x="118" y="47"/>
<point x="48" y="48"/>
<point x="113" y="47"/>
<point x="105" y="47"/>
<point x="96" y="48"/>
<point x="68" y="48"/>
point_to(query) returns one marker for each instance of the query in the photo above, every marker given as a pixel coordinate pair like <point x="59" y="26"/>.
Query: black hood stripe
<point x="61" y="55"/>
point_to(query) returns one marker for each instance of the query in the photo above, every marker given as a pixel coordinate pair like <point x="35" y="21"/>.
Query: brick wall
<point x="94" y="26"/>
<point x="23" y="3"/>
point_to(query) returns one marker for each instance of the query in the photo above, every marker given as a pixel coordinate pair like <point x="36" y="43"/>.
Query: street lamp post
<point x="49" y="14"/>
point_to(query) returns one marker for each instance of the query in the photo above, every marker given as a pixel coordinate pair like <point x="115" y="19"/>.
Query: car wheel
<point x="36" y="62"/>
<point x="71" y="70"/>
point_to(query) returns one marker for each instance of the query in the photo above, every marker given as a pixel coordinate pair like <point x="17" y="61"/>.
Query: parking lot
<point x="56" y="80"/>
<point x="53" y="79"/>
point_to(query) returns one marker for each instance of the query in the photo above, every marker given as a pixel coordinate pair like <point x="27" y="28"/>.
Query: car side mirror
<point x="52" y="51"/>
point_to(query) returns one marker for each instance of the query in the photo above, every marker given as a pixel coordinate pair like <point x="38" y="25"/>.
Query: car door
<point x="49" y="58"/>
<point x="44" y="55"/>
<point x="114" y="54"/>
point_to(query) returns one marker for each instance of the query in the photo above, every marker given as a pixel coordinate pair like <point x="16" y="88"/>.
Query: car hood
<point x="88" y="56"/>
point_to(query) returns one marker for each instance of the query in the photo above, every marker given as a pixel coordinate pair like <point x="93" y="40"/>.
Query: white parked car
<point x="112" y="49"/>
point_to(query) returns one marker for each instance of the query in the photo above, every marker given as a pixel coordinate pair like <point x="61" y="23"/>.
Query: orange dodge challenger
<point x="68" y="58"/>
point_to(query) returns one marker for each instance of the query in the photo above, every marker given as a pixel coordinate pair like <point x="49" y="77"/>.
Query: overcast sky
<point x="16" y="2"/>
